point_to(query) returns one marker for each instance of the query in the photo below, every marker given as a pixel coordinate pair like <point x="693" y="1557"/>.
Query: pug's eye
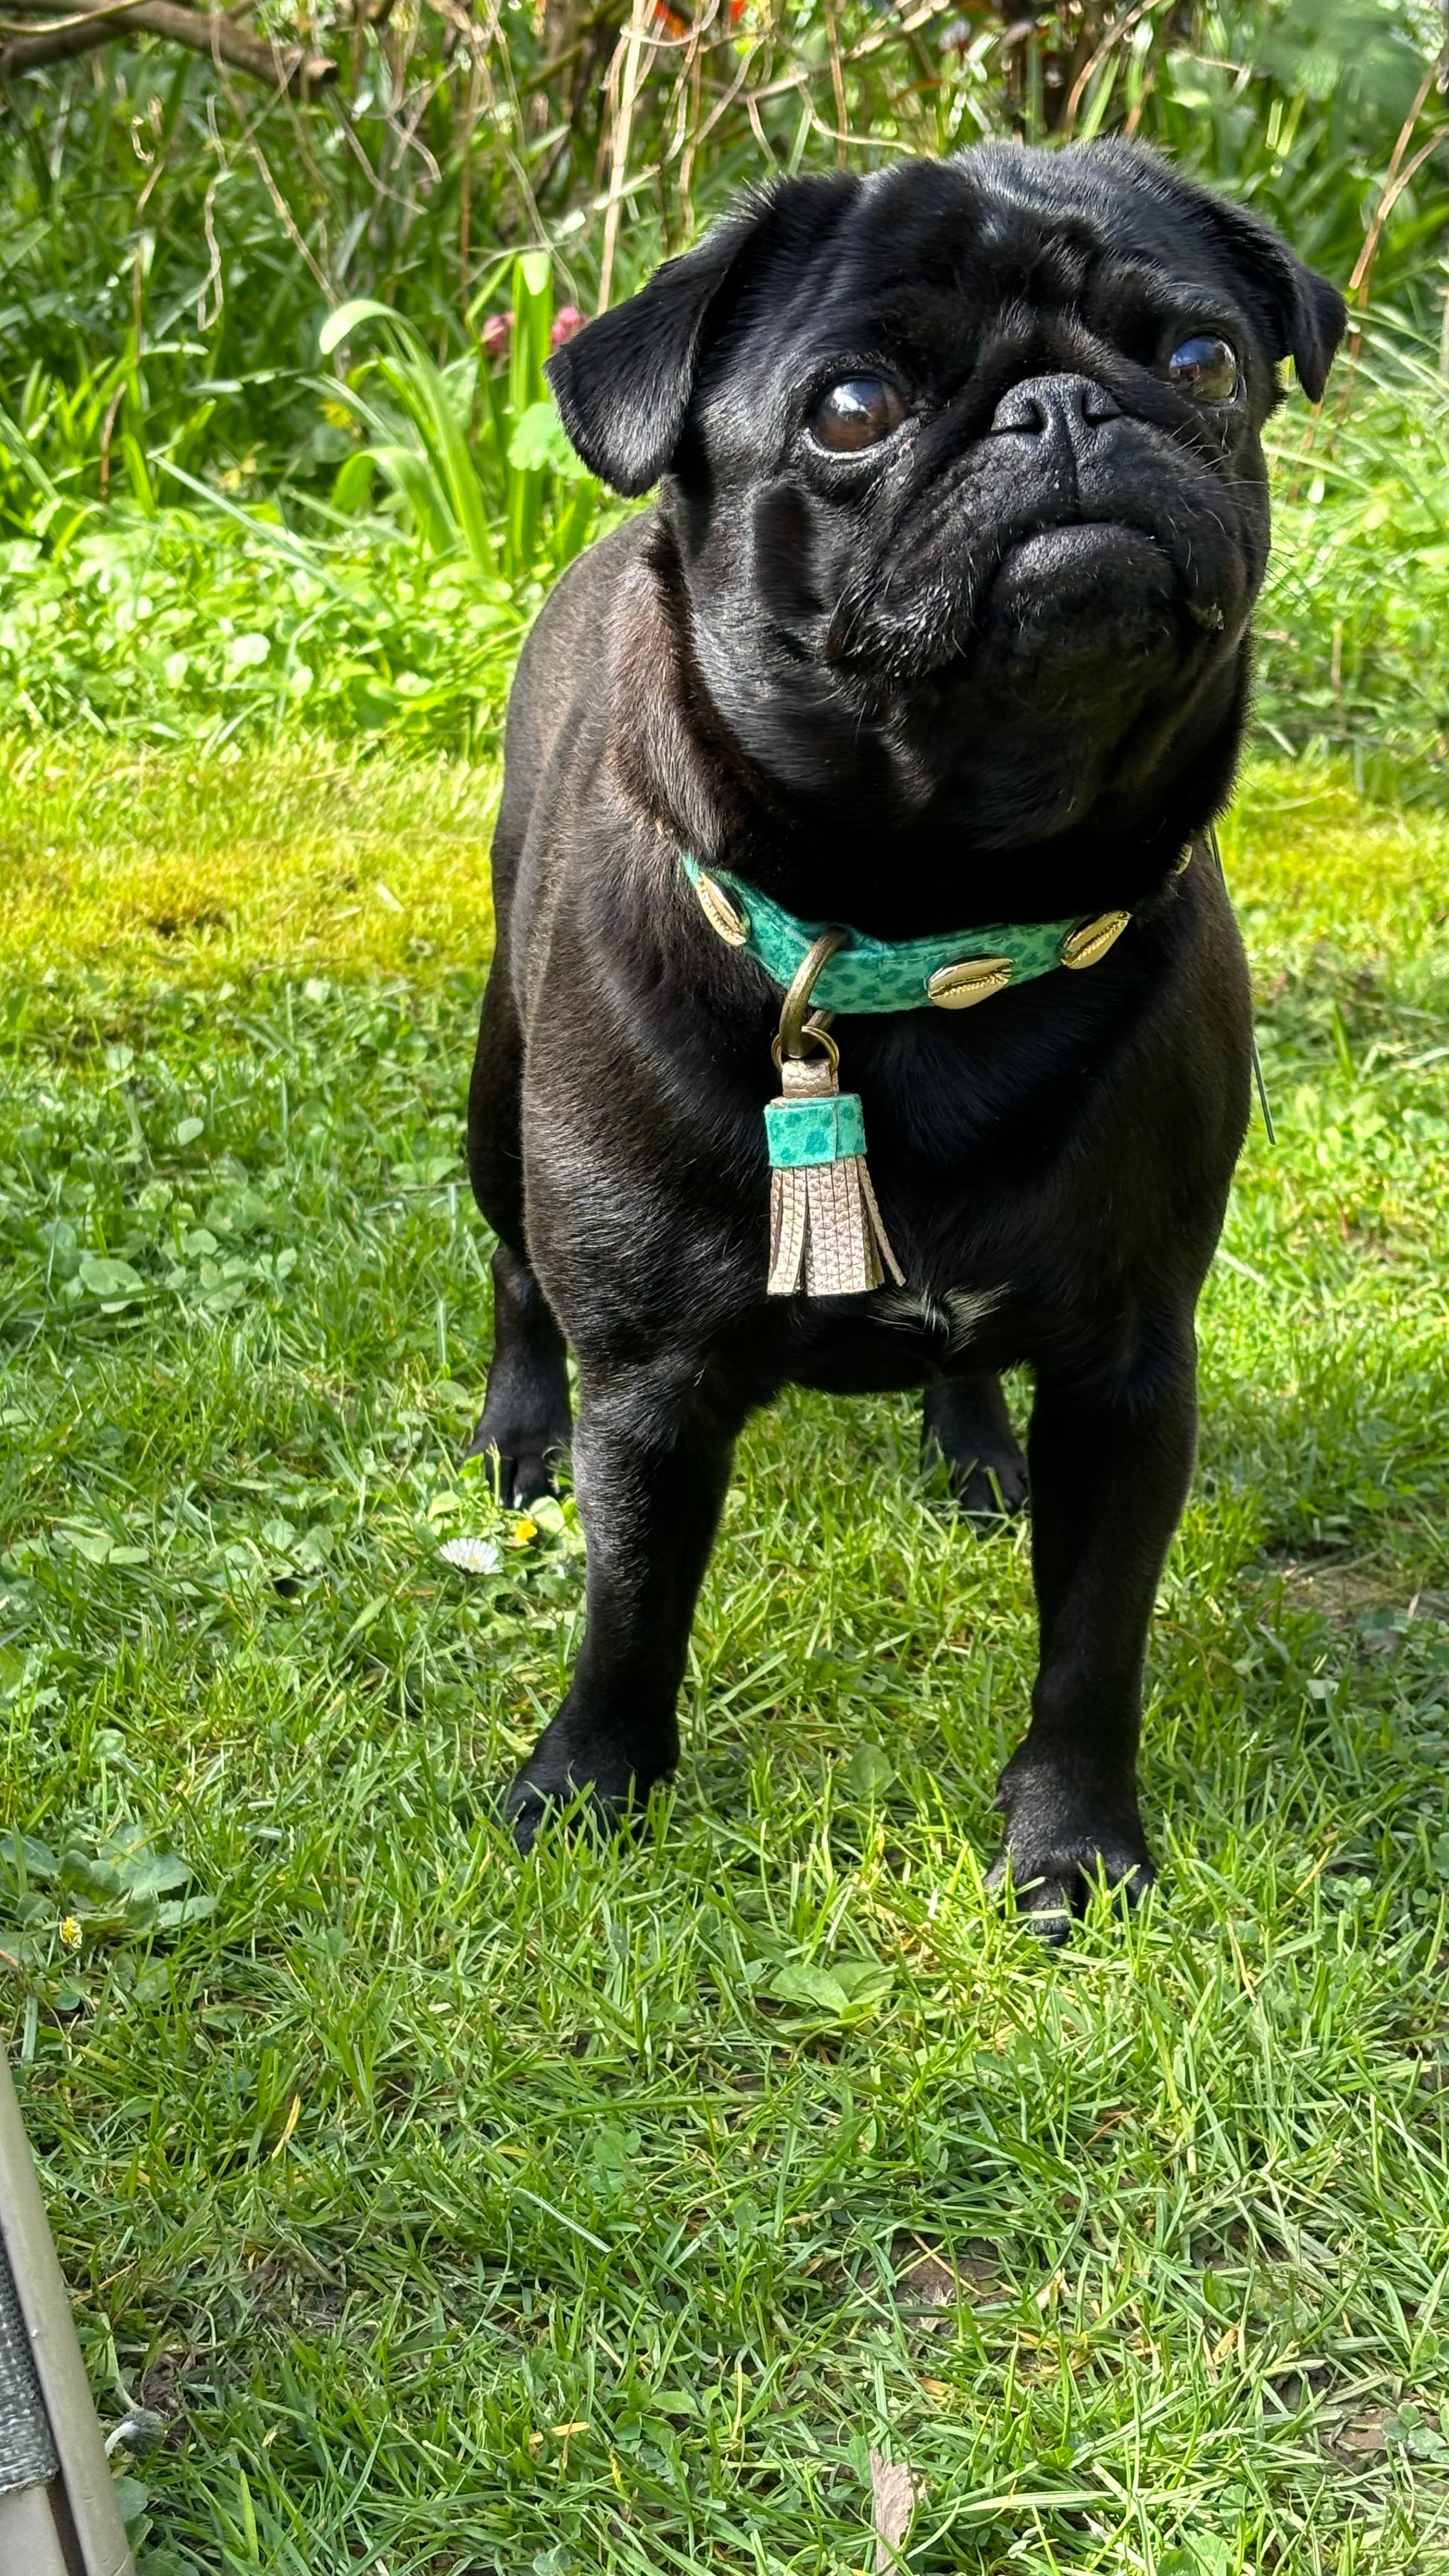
<point x="1206" y="368"/>
<point x="858" y="412"/>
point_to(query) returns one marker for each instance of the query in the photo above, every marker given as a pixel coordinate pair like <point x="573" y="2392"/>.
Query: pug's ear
<point x="1301" y="314"/>
<point x="1319" y="316"/>
<point x="623" y="384"/>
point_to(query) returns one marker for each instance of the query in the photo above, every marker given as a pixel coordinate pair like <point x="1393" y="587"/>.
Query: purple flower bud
<point x="566" y="322"/>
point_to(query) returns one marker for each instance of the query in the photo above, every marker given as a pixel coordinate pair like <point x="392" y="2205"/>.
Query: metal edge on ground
<point x="100" y="2546"/>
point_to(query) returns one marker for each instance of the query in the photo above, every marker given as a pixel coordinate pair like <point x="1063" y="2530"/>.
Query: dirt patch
<point x="189" y="925"/>
<point x="1366" y="2437"/>
<point x="933" y="2281"/>
<point x="1411" y="2430"/>
<point x="1346" y="1594"/>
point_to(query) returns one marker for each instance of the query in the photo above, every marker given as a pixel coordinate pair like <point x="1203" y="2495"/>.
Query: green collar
<point x="895" y="974"/>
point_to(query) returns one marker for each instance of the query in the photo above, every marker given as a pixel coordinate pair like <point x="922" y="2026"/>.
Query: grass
<point x="1351" y="638"/>
<point x="604" y="2213"/>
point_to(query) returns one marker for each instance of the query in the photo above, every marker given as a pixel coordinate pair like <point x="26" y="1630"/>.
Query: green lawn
<point x="604" y="2212"/>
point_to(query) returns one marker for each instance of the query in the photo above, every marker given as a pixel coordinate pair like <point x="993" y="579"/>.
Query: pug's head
<point x="962" y="475"/>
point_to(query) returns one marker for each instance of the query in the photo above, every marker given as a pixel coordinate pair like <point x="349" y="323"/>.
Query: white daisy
<point x="474" y="1555"/>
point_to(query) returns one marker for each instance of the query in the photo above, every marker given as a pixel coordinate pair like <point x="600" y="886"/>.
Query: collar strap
<point x="867" y="974"/>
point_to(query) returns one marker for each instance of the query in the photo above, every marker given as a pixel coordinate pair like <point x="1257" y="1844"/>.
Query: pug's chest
<point x="894" y="1338"/>
<point x="1000" y="1262"/>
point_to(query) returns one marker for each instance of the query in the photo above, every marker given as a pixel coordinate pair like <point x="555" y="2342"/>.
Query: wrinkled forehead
<point x="930" y="254"/>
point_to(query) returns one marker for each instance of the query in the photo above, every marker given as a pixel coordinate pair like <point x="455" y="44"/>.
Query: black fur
<point x="996" y="670"/>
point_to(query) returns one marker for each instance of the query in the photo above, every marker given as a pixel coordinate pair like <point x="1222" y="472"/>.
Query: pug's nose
<point x="1054" y="408"/>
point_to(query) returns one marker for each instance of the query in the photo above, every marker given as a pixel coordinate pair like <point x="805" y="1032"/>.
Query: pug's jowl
<point x="938" y="629"/>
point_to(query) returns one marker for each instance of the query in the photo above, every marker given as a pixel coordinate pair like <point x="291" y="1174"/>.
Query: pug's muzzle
<point x="1066" y="532"/>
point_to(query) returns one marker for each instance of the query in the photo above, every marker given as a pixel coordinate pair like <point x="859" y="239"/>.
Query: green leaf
<point x="445" y="469"/>
<point x="1206" y="2556"/>
<point x="93" y="1544"/>
<point x="132" y="2497"/>
<point x="240" y="1211"/>
<point x="412" y="478"/>
<point x="540" y="439"/>
<point x="816" y="1988"/>
<point x="864" y="1980"/>
<point x="183" y="1910"/>
<point x="35" y="1859"/>
<point x="846" y="1992"/>
<point x="340" y="324"/>
<point x="148" y="1873"/>
<point x="370" y="1611"/>
<point x="352" y="484"/>
<point x="869" y="1771"/>
<point x="104" y="1278"/>
<point x="80" y="1869"/>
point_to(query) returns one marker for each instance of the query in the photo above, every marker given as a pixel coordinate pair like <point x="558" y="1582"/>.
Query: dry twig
<point x="60" y="39"/>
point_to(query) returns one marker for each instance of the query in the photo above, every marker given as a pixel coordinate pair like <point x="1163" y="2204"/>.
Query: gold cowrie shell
<point x="1083" y="947"/>
<point x="724" y="916"/>
<point x="955" y="988"/>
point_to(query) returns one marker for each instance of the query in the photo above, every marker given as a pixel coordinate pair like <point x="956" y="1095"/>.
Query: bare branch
<point x="280" y="67"/>
<point x="59" y="45"/>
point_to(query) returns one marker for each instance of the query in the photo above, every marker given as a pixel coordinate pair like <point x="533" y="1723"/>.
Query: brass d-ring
<point x="794" y="1027"/>
<point x="815" y="1029"/>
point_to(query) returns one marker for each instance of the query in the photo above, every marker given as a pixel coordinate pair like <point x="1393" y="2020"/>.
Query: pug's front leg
<point x="1110" y="1466"/>
<point x="652" y="1451"/>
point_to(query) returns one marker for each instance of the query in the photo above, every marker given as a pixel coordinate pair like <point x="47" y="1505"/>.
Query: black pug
<point x="938" y="632"/>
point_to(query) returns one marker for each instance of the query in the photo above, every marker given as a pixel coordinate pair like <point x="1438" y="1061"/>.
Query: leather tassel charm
<point x="826" y="1234"/>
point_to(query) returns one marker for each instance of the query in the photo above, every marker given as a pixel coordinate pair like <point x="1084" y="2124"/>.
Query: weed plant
<point x="240" y="622"/>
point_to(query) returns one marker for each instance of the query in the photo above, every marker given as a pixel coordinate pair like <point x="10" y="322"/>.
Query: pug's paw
<point x="1065" y="1839"/>
<point x="585" y="1780"/>
<point x="989" y="1491"/>
<point x="523" y="1450"/>
<point x="524" y="1476"/>
<point x="964" y="1422"/>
